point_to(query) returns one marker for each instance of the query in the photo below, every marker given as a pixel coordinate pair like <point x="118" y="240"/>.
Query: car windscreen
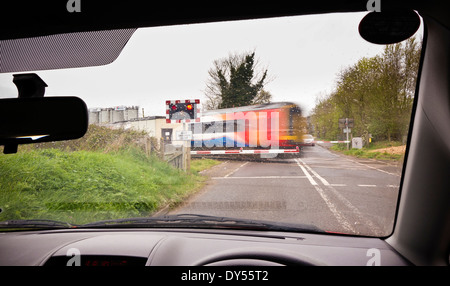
<point x="208" y="119"/>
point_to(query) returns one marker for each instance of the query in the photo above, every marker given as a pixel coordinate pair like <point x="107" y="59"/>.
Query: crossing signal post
<point x="183" y="111"/>
<point x="346" y="124"/>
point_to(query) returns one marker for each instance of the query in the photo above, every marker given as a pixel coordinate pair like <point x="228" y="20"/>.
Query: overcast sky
<point x="302" y="54"/>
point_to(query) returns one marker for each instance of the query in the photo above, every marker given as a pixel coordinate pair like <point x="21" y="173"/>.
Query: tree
<point x="325" y="116"/>
<point x="376" y="92"/>
<point x="235" y="81"/>
<point x="263" y="96"/>
<point x="400" y="66"/>
<point x="356" y="89"/>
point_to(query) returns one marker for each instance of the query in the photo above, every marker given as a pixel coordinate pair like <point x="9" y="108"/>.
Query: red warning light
<point x="181" y="110"/>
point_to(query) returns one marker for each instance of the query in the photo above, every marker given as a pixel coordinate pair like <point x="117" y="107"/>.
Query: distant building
<point x="112" y="115"/>
<point x="128" y="118"/>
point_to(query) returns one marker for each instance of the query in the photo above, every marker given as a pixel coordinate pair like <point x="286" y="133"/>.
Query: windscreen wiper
<point x="34" y="224"/>
<point x="201" y="221"/>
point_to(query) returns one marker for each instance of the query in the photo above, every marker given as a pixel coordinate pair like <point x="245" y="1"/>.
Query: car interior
<point x="420" y="233"/>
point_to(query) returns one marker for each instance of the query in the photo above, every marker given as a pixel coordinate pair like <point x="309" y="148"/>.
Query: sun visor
<point x="59" y="51"/>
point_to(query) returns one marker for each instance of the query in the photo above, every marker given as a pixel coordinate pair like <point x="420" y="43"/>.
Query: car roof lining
<point x="40" y="18"/>
<point x="37" y="42"/>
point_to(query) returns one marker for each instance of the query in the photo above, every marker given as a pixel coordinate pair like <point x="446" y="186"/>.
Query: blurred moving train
<point x="272" y="126"/>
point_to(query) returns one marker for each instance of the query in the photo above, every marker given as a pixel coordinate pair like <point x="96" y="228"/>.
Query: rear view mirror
<point x="41" y="119"/>
<point x="389" y="27"/>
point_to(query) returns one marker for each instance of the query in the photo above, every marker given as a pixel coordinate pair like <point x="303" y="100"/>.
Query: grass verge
<point x="378" y="150"/>
<point x="85" y="186"/>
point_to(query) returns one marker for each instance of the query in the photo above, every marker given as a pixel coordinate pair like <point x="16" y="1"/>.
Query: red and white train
<point x="265" y="128"/>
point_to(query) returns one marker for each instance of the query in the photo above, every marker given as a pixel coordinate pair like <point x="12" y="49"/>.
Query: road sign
<point x="357" y="142"/>
<point x="184" y="135"/>
<point x="347" y="130"/>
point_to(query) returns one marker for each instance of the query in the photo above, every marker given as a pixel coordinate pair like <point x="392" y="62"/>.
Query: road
<point x="333" y="192"/>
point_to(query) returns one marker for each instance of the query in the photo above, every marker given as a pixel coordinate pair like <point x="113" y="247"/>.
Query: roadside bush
<point x="103" y="139"/>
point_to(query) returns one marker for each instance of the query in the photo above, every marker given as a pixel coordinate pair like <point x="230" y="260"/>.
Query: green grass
<point x="198" y="165"/>
<point x="86" y="186"/>
<point x="367" y="151"/>
<point x="106" y="174"/>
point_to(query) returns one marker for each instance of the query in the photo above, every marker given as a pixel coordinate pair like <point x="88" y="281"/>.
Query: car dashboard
<point x="187" y="247"/>
<point x="421" y="230"/>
